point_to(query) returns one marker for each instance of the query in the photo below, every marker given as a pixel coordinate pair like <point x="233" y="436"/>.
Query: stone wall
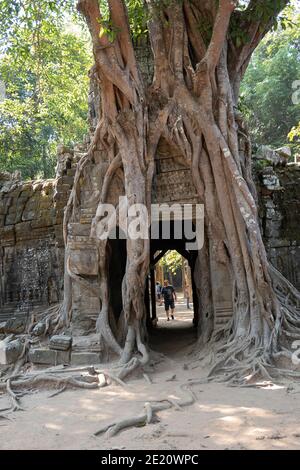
<point x="31" y="242"/>
<point x="279" y="210"/>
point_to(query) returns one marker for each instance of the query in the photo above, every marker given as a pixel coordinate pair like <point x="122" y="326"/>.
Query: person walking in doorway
<point x="169" y="295"/>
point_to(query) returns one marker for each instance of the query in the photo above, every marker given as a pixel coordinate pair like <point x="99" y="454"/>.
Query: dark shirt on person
<point x="168" y="293"/>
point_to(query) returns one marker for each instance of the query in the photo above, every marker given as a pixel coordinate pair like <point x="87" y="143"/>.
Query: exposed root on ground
<point x="18" y="385"/>
<point x="26" y="384"/>
<point x="242" y="361"/>
<point x="45" y="321"/>
<point x="148" y="416"/>
<point x="248" y="360"/>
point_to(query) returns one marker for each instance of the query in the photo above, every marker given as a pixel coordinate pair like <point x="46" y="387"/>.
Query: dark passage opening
<point x="171" y="336"/>
<point x="164" y="336"/>
<point x="117" y="267"/>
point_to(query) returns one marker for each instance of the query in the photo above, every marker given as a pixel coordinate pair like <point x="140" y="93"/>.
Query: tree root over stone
<point x="39" y="381"/>
<point x="53" y="377"/>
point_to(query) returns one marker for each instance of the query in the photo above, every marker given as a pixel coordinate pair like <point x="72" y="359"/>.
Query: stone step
<point x="222" y="320"/>
<point x="13" y="303"/>
<point x="48" y="356"/>
<point x="4" y="316"/>
<point x="15" y="310"/>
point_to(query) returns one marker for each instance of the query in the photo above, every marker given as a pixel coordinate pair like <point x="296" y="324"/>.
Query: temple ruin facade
<point x="32" y="248"/>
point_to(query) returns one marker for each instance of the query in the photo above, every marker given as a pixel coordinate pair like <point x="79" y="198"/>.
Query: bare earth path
<point x="222" y="417"/>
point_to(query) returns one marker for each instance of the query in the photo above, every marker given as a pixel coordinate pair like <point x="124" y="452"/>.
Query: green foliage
<point x="267" y="89"/>
<point x="238" y="35"/>
<point x="44" y="66"/>
<point x="16" y="14"/>
<point x="172" y="261"/>
<point x="138" y="17"/>
<point x="263" y="12"/>
<point x="294" y="137"/>
<point x="261" y="164"/>
<point x="108" y="29"/>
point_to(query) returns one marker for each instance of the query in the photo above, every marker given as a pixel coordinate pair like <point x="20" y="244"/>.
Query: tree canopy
<point x="270" y="82"/>
<point x="172" y="261"/>
<point x="45" y="57"/>
<point x="44" y="67"/>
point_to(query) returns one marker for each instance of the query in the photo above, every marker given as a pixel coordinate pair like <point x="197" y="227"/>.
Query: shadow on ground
<point x="171" y="337"/>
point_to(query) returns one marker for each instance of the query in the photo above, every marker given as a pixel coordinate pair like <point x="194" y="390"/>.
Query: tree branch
<point x="212" y="56"/>
<point x="177" y="44"/>
<point x="119" y="16"/>
<point x="158" y="45"/>
<point x="91" y="11"/>
<point x="105" y="52"/>
<point x="256" y="26"/>
<point x="192" y="25"/>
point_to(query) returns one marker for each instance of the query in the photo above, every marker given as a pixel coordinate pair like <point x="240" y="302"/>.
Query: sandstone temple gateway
<point x="32" y="248"/>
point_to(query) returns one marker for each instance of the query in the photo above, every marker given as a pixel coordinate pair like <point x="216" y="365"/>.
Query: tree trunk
<point x="192" y="104"/>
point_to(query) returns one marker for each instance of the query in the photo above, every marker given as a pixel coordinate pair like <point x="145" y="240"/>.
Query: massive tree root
<point x="245" y="362"/>
<point x="191" y="104"/>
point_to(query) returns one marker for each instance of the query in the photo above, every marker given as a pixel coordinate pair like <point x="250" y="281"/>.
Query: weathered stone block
<point x="29" y="214"/>
<point x="79" y="230"/>
<point x="84" y="343"/>
<point x="10" y="219"/>
<point x="15" y="325"/>
<point x="27" y="190"/>
<point x="83" y="358"/>
<point x="7" y="234"/>
<point x="285" y="152"/>
<point x="60" y="342"/>
<point x="10" y="351"/>
<point x="23" y="227"/>
<point x="71" y="172"/>
<point x="84" y="261"/>
<point x="63" y="188"/>
<point x="39" y="329"/>
<point x="48" y="356"/>
<point x="46" y="203"/>
<point x="42" y="222"/>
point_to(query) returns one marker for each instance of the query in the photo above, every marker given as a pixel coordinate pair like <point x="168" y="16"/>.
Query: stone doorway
<point x="171" y="336"/>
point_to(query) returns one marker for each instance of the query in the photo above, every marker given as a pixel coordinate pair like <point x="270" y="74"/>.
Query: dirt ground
<point x="221" y="418"/>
